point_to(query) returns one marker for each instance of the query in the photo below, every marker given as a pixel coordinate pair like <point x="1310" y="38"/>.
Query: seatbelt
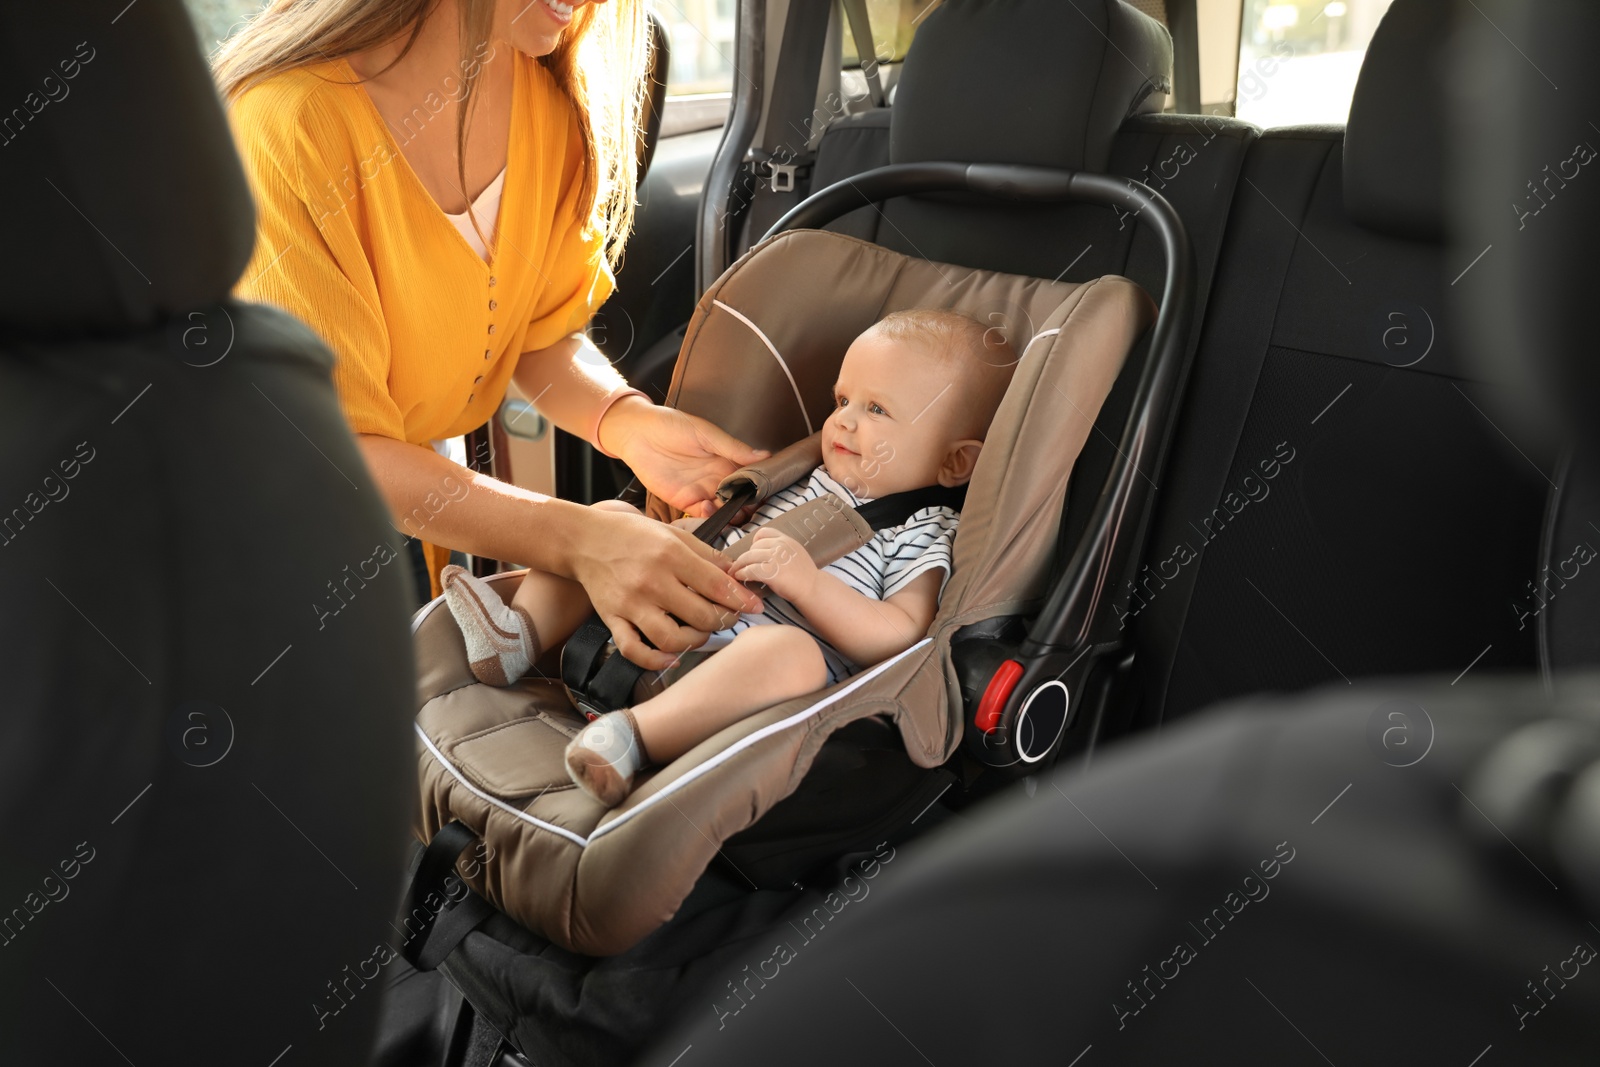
<point x="866" y="49"/>
<point x="443" y="924"/>
<point x="784" y="157"/>
<point x="600" y="679"/>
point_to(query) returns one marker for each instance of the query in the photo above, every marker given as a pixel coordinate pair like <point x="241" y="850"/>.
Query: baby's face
<point x="894" y="421"/>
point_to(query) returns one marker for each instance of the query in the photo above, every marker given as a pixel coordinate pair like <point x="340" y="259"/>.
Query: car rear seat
<point x="1338" y="502"/>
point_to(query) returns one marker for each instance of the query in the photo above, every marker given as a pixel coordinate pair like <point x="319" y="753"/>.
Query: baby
<point x="913" y="401"/>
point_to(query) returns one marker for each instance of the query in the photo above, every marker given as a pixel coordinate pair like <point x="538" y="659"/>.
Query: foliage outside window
<point x="894" y="23"/>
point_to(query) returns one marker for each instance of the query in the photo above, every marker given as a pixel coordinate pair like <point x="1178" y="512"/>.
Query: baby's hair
<point x="979" y="354"/>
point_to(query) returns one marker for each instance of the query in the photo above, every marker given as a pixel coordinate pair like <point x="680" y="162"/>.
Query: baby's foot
<point x="605" y="756"/>
<point x="501" y="643"/>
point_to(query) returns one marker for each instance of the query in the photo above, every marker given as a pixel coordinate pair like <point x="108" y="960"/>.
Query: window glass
<point x="1298" y="59"/>
<point x="701" y="35"/>
<point x="894" y="22"/>
<point x="214" y="20"/>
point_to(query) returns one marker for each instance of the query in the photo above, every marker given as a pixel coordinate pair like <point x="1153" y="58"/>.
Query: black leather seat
<point x="1537" y="329"/>
<point x="205" y="775"/>
<point x="1341" y="500"/>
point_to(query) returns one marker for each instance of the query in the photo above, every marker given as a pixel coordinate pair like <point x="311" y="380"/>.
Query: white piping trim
<point x="502" y="805"/>
<point x="423" y="612"/>
<point x="1043" y="333"/>
<point x="771" y="348"/>
<point x="745" y="742"/>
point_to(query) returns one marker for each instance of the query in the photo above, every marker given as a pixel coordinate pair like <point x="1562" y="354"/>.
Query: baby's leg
<point x="504" y="640"/>
<point x="762" y="666"/>
<point x="555" y="605"/>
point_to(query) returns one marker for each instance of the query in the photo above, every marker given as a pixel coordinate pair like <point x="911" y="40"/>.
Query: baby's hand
<point x="779" y="562"/>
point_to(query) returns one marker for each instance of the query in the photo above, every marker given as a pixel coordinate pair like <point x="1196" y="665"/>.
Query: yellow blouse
<point x="426" y="333"/>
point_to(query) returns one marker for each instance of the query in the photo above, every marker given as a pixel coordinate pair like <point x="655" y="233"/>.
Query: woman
<point x="442" y="188"/>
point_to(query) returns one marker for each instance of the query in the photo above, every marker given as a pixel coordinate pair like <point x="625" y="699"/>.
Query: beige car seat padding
<point x="597" y="881"/>
<point x="810" y="293"/>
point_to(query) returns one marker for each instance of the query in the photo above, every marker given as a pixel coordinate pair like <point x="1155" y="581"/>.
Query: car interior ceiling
<point x="1349" y="501"/>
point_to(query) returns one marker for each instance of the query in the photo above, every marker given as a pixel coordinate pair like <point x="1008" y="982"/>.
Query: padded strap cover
<point x="782" y="468"/>
<point x="826" y="527"/>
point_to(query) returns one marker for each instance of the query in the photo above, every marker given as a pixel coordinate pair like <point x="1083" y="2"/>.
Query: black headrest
<point x="1394" y="145"/>
<point x="1042" y="82"/>
<point x="1526" y="210"/>
<point x="125" y="201"/>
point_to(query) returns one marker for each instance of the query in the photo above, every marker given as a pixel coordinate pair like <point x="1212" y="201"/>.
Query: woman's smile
<point x="560" y="13"/>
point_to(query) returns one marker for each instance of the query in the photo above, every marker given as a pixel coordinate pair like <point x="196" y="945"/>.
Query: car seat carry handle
<point x="1117" y="528"/>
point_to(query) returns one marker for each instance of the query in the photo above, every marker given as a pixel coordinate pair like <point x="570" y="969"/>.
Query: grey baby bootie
<point x="501" y="644"/>
<point x="605" y="756"/>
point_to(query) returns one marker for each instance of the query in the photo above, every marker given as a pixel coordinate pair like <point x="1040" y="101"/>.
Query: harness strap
<point x="600" y="679"/>
<point x="896" y="508"/>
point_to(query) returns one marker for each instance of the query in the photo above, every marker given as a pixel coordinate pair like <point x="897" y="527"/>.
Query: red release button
<point x="995" y="696"/>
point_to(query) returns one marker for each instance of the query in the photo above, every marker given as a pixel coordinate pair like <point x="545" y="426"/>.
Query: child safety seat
<point x="492" y="759"/>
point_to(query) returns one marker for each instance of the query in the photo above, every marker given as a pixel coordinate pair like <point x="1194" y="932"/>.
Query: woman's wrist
<point x="617" y="421"/>
<point x="561" y="531"/>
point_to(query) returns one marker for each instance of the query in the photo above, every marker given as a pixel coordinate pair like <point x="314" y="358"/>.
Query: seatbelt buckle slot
<point x="783" y="170"/>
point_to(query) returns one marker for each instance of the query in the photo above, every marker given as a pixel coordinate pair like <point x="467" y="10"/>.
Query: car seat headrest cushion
<point x="126" y="201"/>
<point x="1037" y="82"/>
<point x="1394" y="144"/>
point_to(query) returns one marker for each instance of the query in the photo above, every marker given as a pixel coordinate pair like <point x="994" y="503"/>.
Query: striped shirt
<point x="894" y="558"/>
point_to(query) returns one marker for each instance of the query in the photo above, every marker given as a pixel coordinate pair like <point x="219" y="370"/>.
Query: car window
<point x="702" y="39"/>
<point x="214" y="20"/>
<point x="1298" y="59"/>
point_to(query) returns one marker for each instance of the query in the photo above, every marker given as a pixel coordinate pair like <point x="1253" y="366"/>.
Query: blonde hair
<point x="980" y="355"/>
<point x="600" y="63"/>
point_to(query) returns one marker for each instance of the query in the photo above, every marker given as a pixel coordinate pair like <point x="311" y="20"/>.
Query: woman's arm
<point x="637" y="572"/>
<point x="866" y="630"/>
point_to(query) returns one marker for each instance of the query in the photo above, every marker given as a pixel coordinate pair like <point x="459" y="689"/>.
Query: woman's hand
<point x="679" y="457"/>
<point x="639" y="573"/>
